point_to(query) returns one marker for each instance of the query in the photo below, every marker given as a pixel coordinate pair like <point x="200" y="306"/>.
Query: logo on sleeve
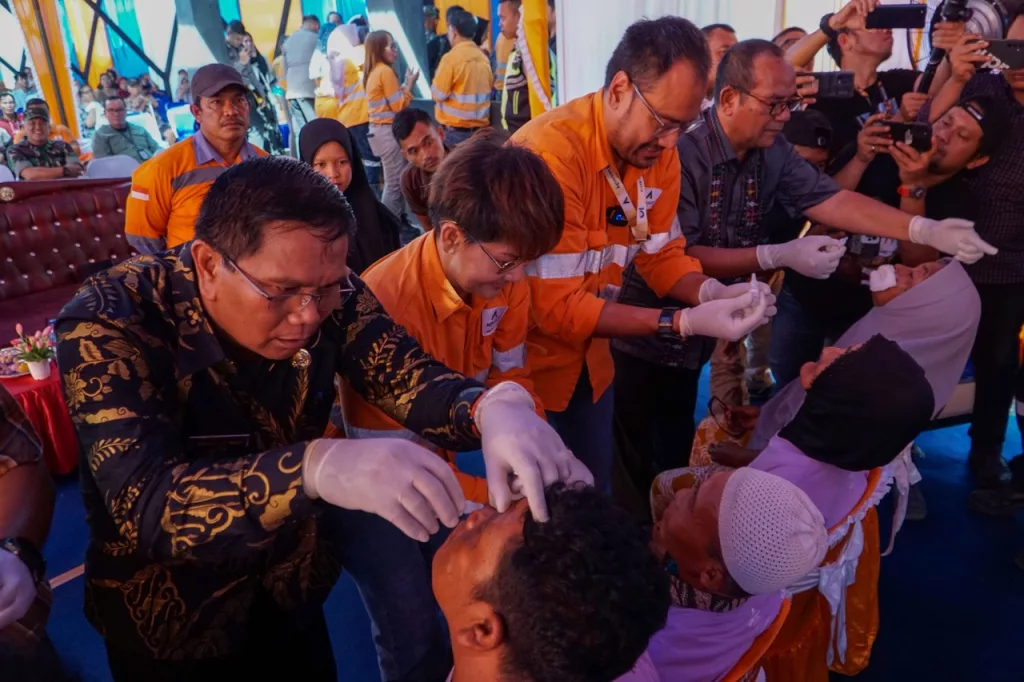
<point x="652" y="196"/>
<point x="491" y="318"/>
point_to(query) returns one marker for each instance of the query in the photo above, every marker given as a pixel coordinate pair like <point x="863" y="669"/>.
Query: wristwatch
<point x="917" y="193"/>
<point x="827" y="29"/>
<point x="665" y="326"/>
<point x="29" y="555"/>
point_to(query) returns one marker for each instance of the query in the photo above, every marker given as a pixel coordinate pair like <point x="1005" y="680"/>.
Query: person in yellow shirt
<point x="613" y="152"/>
<point x="460" y="289"/>
<point x="168" y="189"/>
<point x="508" y="22"/>
<point x="463" y="82"/>
<point x="386" y="98"/>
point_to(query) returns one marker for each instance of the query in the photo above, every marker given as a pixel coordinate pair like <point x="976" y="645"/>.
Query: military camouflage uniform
<point x="53" y="154"/>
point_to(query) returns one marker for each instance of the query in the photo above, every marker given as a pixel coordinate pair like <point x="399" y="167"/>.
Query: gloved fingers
<point x="420" y="509"/>
<point x="983" y="245"/>
<point x="408" y="524"/>
<point x="498" y="489"/>
<point x="446" y="504"/>
<point x="547" y="465"/>
<point x="439" y="470"/>
<point x="734" y="290"/>
<point x="578" y="473"/>
<point x="533" y="489"/>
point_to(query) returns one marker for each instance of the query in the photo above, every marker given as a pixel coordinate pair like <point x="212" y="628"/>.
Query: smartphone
<point x="1004" y="55"/>
<point x="834" y="84"/>
<point x="897" y="16"/>
<point x="917" y="135"/>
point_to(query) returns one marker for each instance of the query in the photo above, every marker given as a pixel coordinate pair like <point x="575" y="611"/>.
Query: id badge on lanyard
<point x="636" y="215"/>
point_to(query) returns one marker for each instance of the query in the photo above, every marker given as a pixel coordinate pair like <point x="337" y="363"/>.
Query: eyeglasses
<point x="293" y="303"/>
<point x="502" y="266"/>
<point x="776" y="108"/>
<point x="719" y="411"/>
<point x="664" y="128"/>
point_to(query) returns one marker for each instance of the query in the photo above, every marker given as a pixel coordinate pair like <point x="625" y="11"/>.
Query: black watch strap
<point x="29" y="555"/>
<point x="665" y="320"/>
<point x="829" y="32"/>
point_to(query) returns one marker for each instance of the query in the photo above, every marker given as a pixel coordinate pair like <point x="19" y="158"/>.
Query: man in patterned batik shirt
<point x="200" y="381"/>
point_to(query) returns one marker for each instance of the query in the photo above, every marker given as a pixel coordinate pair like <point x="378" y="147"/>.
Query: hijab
<point x="377" y="228"/>
<point x="864" y="408"/>
<point x="935" y="322"/>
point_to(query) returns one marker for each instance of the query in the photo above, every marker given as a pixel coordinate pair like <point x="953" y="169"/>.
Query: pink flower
<point x="18" y="329"/>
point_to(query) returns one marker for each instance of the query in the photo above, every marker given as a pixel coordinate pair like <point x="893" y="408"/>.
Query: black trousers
<point x="997" y="369"/>
<point x="653" y="424"/>
<point x="278" y="646"/>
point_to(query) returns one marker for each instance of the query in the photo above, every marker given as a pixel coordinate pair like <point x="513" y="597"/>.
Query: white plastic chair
<point x="6" y="175"/>
<point x="112" y="167"/>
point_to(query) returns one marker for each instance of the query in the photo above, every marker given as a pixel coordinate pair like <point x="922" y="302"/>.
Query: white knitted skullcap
<point x="772" y="535"/>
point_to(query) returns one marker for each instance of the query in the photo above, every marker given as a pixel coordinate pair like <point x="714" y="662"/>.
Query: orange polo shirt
<point x="570" y="284"/>
<point x="484" y="339"/>
<point x="168" y="190"/>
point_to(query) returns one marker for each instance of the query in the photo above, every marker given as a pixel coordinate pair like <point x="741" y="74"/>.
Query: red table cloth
<point x="43" y="404"/>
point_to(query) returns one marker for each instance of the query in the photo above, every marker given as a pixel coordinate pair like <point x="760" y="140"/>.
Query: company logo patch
<point x="491" y="318"/>
<point x="652" y="196"/>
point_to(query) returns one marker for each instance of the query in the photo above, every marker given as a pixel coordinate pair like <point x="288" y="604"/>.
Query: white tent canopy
<point x="588" y="30"/>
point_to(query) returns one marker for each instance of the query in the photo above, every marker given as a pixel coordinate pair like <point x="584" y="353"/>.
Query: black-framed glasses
<point x="664" y="127"/>
<point x="295" y="302"/>
<point x="503" y="266"/>
<point x="776" y="108"/>
<point x="719" y="411"/>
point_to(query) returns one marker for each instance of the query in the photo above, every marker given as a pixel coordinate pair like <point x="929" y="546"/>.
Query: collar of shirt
<point x="205" y="153"/>
<point x="601" y="149"/>
<point x="711" y="120"/>
<point x="443" y="297"/>
<point x="198" y="346"/>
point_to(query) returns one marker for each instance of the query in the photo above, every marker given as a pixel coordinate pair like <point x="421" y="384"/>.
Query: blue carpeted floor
<point x="952" y="602"/>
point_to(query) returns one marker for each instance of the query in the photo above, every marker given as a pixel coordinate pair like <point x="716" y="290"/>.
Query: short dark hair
<point x="406" y="120"/>
<point x="249" y="196"/>
<point x="581" y="594"/>
<point x="311" y="17"/>
<point x="36" y="102"/>
<point x="711" y="28"/>
<point x="499" y="193"/>
<point x="452" y="9"/>
<point x="833" y="47"/>
<point x="6" y="93"/>
<point x="464" y="23"/>
<point x="236" y="26"/>
<point x="114" y="98"/>
<point x="551" y="4"/>
<point x="20" y="75"/>
<point x="736" y="70"/>
<point x="784" y="31"/>
<point x="650" y="47"/>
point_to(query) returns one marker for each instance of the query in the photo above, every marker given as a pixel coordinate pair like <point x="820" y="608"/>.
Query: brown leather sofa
<point x="54" y="234"/>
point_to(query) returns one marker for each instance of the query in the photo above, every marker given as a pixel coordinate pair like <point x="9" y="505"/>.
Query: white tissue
<point x="884" y="277"/>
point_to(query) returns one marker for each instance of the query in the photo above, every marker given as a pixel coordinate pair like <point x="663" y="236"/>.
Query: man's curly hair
<point x="581" y="594"/>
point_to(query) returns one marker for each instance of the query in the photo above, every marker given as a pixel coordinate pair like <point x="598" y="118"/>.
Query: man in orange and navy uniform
<point x="460" y="288"/>
<point x="609" y="149"/>
<point x="168" y="189"/>
<point x="463" y="82"/>
<point x="508" y="16"/>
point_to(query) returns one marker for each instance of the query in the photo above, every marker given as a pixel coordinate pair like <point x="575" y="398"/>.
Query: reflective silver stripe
<point x="146" y="245"/>
<point x="353" y="97"/>
<point x="404" y="434"/>
<point x="482" y="112"/>
<point x="501" y="66"/>
<point x="472" y="99"/>
<point x="197" y="176"/>
<point x="563" y="265"/>
<point x="438" y="95"/>
<point x="381" y="118"/>
<point x="481" y="376"/>
<point x="658" y="241"/>
<point x="378" y="103"/>
<point x="513" y="358"/>
<point x="396" y="97"/>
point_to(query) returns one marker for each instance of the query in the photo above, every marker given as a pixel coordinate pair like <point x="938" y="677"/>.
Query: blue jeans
<point x="798" y="337"/>
<point x="586" y="428"/>
<point x="455" y="136"/>
<point x="392" y="573"/>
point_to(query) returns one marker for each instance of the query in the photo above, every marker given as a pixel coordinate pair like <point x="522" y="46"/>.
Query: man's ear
<point x="440" y="133"/>
<point x="209" y="267"/>
<point x="481" y="630"/>
<point x="713" y="578"/>
<point x="977" y="162"/>
<point x="450" y="236"/>
<point x="618" y="88"/>
<point x="728" y="100"/>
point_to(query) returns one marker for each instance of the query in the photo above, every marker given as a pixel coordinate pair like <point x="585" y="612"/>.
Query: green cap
<point x="37" y="112"/>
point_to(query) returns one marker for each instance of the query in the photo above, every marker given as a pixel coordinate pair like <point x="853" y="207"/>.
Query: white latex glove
<point x="522" y="452"/>
<point x="813" y="256"/>
<point x="713" y="290"/>
<point x="17" y="589"/>
<point x="395" y="479"/>
<point x="953" y="236"/>
<point x="730" y="318"/>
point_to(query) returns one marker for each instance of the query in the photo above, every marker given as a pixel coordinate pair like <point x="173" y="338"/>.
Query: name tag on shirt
<point x="491" y="318"/>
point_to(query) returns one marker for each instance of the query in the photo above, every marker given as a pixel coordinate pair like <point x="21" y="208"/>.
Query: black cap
<point x="808" y="128"/>
<point x="431" y="11"/>
<point x="37" y="111"/>
<point x="990" y="116"/>
<point x="210" y="79"/>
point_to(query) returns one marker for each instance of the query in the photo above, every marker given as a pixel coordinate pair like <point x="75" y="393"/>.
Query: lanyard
<point x="636" y="215"/>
